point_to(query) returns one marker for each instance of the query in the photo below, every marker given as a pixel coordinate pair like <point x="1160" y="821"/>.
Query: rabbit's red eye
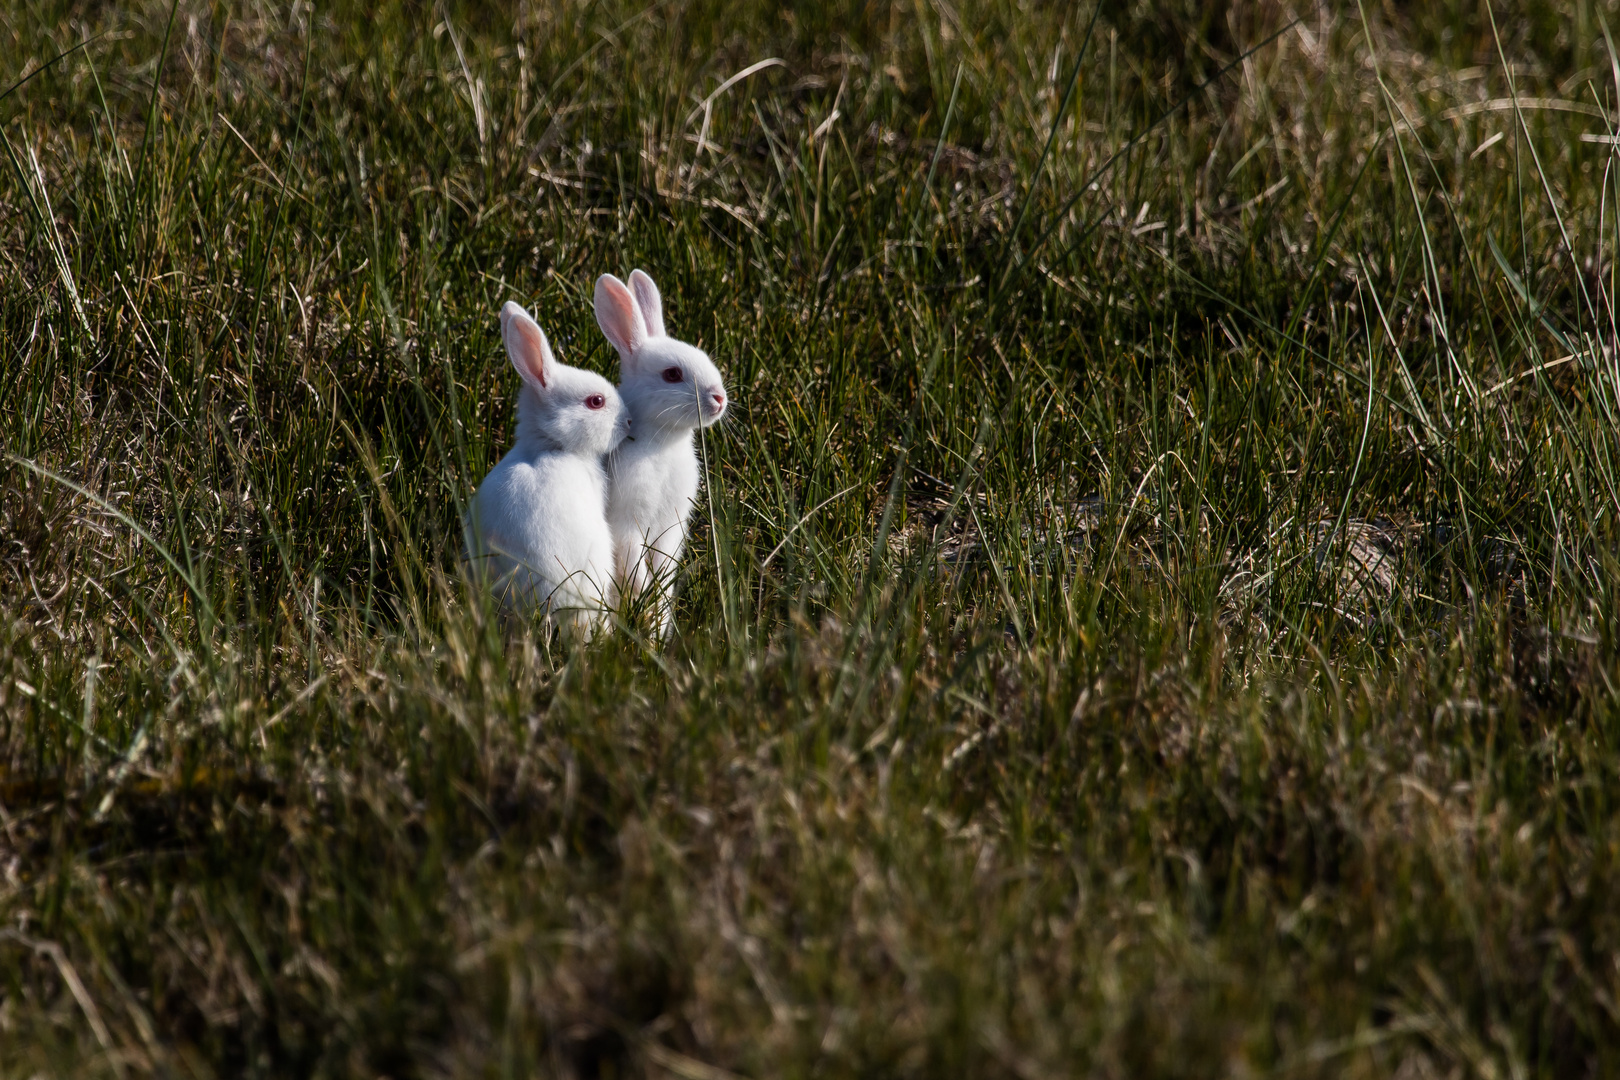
<point x="595" y="401"/>
<point x="672" y="374"/>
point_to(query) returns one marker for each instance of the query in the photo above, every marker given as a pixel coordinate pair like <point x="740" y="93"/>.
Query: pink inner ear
<point x="531" y="350"/>
<point x="622" y="322"/>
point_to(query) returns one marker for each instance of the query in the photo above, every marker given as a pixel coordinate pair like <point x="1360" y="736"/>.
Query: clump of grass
<point x="1152" y="611"/>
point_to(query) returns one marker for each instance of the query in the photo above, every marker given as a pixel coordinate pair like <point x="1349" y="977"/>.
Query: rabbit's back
<point x="541" y="530"/>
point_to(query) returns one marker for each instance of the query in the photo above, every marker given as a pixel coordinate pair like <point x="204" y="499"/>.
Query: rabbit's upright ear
<point x="651" y="304"/>
<point x="619" y="316"/>
<point x="527" y="346"/>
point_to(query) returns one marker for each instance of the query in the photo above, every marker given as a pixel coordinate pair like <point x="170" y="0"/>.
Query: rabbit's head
<point x="560" y="407"/>
<point x="668" y="385"/>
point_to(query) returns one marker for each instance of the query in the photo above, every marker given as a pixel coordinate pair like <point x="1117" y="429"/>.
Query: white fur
<point x="538" y="525"/>
<point x="654" y="476"/>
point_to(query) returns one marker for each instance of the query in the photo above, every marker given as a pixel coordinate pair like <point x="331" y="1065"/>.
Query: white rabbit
<point x="538" y="530"/>
<point x="671" y="390"/>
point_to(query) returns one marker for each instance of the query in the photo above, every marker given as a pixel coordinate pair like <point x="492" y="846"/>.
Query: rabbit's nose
<point x="719" y="399"/>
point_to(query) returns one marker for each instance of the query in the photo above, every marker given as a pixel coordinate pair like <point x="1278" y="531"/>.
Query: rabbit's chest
<point x="654" y="488"/>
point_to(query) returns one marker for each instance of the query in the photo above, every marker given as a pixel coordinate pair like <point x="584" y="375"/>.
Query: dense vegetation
<point x="1153" y="611"/>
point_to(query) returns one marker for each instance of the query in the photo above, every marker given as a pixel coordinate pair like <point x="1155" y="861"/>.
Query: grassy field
<point x="1152" y="613"/>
